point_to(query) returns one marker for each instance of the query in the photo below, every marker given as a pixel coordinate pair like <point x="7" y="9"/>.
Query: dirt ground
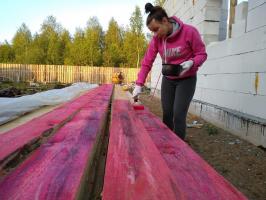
<point x="240" y="162"/>
<point x="13" y="89"/>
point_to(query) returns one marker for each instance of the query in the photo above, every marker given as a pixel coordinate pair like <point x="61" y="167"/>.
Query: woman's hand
<point x="186" y="66"/>
<point x="136" y="91"/>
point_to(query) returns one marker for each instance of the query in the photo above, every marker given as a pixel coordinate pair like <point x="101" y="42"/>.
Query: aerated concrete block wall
<point x="203" y="14"/>
<point x="231" y="87"/>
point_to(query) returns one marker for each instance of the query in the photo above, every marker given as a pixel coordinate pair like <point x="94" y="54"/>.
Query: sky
<point x="71" y="14"/>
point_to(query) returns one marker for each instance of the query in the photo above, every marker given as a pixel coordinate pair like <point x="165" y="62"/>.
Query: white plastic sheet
<point x="11" y="108"/>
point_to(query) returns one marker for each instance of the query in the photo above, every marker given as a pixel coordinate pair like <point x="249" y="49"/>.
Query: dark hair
<point x="155" y="12"/>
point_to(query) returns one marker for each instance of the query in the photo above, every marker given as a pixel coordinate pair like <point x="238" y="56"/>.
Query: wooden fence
<point x="65" y="74"/>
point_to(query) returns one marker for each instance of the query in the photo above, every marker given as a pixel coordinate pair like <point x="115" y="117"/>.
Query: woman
<point x="179" y="45"/>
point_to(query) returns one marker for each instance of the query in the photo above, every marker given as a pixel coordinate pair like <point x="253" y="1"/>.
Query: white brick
<point x="198" y="18"/>
<point x="187" y="15"/>
<point x="208" y="13"/>
<point x="239" y="28"/>
<point x="255" y="3"/>
<point x="211" y="28"/>
<point x="246" y="103"/>
<point x="243" y="63"/>
<point x="241" y="11"/>
<point x="209" y="38"/>
<point x="200" y="4"/>
<point x="212" y="13"/>
<point x="251" y="41"/>
<point x="240" y="83"/>
<point x="256" y="18"/>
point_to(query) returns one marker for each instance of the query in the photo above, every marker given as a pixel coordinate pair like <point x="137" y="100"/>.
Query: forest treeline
<point x="116" y="47"/>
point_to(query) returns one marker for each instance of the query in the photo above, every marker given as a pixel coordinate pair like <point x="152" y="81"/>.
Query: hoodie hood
<point x="180" y="26"/>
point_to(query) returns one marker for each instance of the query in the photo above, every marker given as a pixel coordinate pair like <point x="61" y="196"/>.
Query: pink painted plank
<point x="57" y="169"/>
<point x="135" y="168"/>
<point x="15" y="139"/>
<point x="192" y="175"/>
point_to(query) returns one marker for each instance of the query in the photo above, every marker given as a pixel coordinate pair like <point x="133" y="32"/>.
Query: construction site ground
<point x="240" y="162"/>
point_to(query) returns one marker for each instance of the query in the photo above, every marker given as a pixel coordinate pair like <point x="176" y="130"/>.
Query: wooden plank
<point x="25" y="118"/>
<point x="135" y="168"/>
<point x="233" y="4"/>
<point x="192" y="175"/>
<point x="14" y="140"/>
<point x="57" y="170"/>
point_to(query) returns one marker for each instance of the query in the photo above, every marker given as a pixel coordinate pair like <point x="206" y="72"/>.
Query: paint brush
<point x="137" y="105"/>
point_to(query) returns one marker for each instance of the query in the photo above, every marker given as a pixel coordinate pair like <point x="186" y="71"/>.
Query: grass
<point x="211" y="130"/>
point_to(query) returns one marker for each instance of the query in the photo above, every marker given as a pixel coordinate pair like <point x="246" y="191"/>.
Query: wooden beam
<point x="192" y="175"/>
<point x="59" y="168"/>
<point x="233" y="4"/>
<point x="134" y="168"/>
<point x="13" y="141"/>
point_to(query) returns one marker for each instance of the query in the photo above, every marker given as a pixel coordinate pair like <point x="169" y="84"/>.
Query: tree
<point x="77" y="52"/>
<point x="7" y="54"/>
<point x="136" y="21"/>
<point x="94" y="41"/>
<point x="159" y="2"/>
<point x="37" y="53"/>
<point x="65" y="41"/>
<point x="134" y="41"/>
<point x="113" y="45"/>
<point x="21" y="43"/>
<point x="50" y="41"/>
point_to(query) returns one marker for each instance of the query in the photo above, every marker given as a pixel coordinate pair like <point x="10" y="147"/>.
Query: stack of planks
<point x="146" y="160"/>
<point x="59" y="168"/>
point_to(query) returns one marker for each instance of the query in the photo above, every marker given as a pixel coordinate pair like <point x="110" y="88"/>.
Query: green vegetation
<point x="16" y="89"/>
<point x="212" y="130"/>
<point x="159" y="2"/>
<point x="117" y="47"/>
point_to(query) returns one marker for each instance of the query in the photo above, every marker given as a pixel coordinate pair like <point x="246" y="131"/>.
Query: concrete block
<point x="248" y="42"/>
<point x="186" y="11"/>
<point x="255" y="3"/>
<point x="212" y="13"/>
<point x="255" y="135"/>
<point x="245" y="103"/>
<point x="200" y="4"/>
<point x="256" y="18"/>
<point x="174" y="8"/>
<point x="207" y="13"/>
<point x="206" y="27"/>
<point x="237" y="124"/>
<point x="186" y="15"/>
<point x="178" y="8"/>
<point x="239" y="83"/>
<point x="239" y="28"/>
<point x="241" y="63"/>
<point x="198" y="18"/>
<point x="207" y="38"/>
<point x="241" y="11"/>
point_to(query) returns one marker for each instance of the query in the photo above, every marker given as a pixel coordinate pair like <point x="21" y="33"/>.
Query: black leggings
<point x="176" y="96"/>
